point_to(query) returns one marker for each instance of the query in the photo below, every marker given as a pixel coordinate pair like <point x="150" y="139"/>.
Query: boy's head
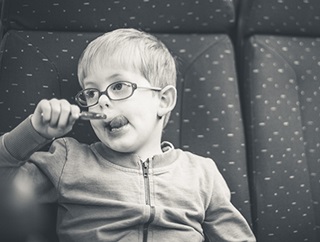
<point x="130" y="76"/>
<point x="133" y="50"/>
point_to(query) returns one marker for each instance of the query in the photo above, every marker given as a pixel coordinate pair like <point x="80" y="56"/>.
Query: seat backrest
<point x="100" y="16"/>
<point x="207" y="119"/>
<point x="281" y="17"/>
<point x="280" y="86"/>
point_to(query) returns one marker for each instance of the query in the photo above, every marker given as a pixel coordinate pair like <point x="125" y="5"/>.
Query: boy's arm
<point x="20" y="143"/>
<point x="17" y="146"/>
<point x="223" y="222"/>
<point x="51" y="118"/>
<point x="26" y="194"/>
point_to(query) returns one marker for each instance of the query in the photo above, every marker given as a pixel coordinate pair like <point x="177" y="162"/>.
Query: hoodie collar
<point x="130" y="160"/>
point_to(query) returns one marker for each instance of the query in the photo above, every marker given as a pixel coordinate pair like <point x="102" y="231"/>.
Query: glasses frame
<point x="134" y="87"/>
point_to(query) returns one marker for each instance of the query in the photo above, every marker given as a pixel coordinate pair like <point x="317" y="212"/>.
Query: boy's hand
<point x="54" y="118"/>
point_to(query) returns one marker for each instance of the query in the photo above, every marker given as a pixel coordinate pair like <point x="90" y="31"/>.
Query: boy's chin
<point x="121" y="147"/>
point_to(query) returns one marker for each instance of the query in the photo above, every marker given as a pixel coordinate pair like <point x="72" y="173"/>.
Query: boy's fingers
<point x="54" y="118"/>
<point x="44" y="110"/>
<point x="65" y="112"/>
<point x="75" y="112"/>
<point x="55" y="112"/>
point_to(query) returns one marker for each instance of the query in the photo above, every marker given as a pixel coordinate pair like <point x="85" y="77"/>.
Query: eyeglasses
<point x="116" y="91"/>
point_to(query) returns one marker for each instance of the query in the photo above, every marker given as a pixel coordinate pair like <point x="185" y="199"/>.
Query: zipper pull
<point x="145" y="168"/>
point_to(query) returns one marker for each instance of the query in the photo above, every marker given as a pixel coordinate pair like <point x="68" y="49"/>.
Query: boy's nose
<point x="104" y="101"/>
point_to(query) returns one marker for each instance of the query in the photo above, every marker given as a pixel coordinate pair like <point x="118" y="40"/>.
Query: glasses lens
<point x="88" y="97"/>
<point x="120" y="90"/>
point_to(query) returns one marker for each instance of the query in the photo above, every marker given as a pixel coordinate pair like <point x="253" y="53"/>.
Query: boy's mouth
<point x="117" y="123"/>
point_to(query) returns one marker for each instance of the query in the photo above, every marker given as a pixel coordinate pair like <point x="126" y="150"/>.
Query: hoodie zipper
<point x="145" y="170"/>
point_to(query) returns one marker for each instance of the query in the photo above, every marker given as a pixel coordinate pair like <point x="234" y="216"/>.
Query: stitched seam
<point x="64" y="165"/>
<point x="38" y="50"/>
<point x="2" y="47"/>
<point x="223" y="37"/>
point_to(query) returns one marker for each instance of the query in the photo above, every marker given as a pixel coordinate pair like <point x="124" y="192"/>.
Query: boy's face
<point x="132" y="124"/>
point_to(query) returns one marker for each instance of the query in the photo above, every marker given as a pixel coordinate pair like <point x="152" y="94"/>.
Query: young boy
<point x="129" y="186"/>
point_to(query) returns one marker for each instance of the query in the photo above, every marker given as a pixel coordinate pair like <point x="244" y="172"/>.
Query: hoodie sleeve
<point x="17" y="146"/>
<point x="19" y="154"/>
<point x="223" y="222"/>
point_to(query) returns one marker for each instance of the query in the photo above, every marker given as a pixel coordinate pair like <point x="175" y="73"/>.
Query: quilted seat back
<point x="280" y="89"/>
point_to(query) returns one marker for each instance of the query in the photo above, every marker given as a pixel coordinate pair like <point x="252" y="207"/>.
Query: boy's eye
<point x="117" y="86"/>
<point x="90" y="93"/>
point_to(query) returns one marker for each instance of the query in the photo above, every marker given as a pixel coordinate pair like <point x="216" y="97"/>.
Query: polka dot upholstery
<point x="282" y="92"/>
<point x="207" y="119"/>
<point x="285" y="17"/>
<point x="280" y="84"/>
<point x="101" y="15"/>
<point x="50" y="74"/>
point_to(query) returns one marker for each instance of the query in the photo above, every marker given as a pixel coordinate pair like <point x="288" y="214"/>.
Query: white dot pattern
<point x="282" y="95"/>
<point x="280" y="90"/>
<point x="101" y="15"/>
<point x="294" y="17"/>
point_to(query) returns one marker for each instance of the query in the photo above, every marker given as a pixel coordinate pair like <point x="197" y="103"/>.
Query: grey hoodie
<point x="104" y="195"/>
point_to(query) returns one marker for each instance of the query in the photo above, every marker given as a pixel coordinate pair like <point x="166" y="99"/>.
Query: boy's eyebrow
<point x="114" y="76"/>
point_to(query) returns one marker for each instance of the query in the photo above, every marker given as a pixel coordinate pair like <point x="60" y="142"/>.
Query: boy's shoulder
<point x="69" y="141"/>
<point x="70" y="144"/>
<point x="204" y="168"/>
<point x="196" y="159"/>
<point x="194" y="156"/>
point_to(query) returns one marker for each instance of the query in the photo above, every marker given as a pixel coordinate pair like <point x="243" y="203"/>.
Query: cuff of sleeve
<point x="24" y="140"/>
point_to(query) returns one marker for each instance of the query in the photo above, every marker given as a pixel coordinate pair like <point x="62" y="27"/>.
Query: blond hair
<point x="132" y="49"/>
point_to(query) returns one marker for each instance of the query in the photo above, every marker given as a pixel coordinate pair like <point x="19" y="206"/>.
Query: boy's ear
<point x="168" y="99"/>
